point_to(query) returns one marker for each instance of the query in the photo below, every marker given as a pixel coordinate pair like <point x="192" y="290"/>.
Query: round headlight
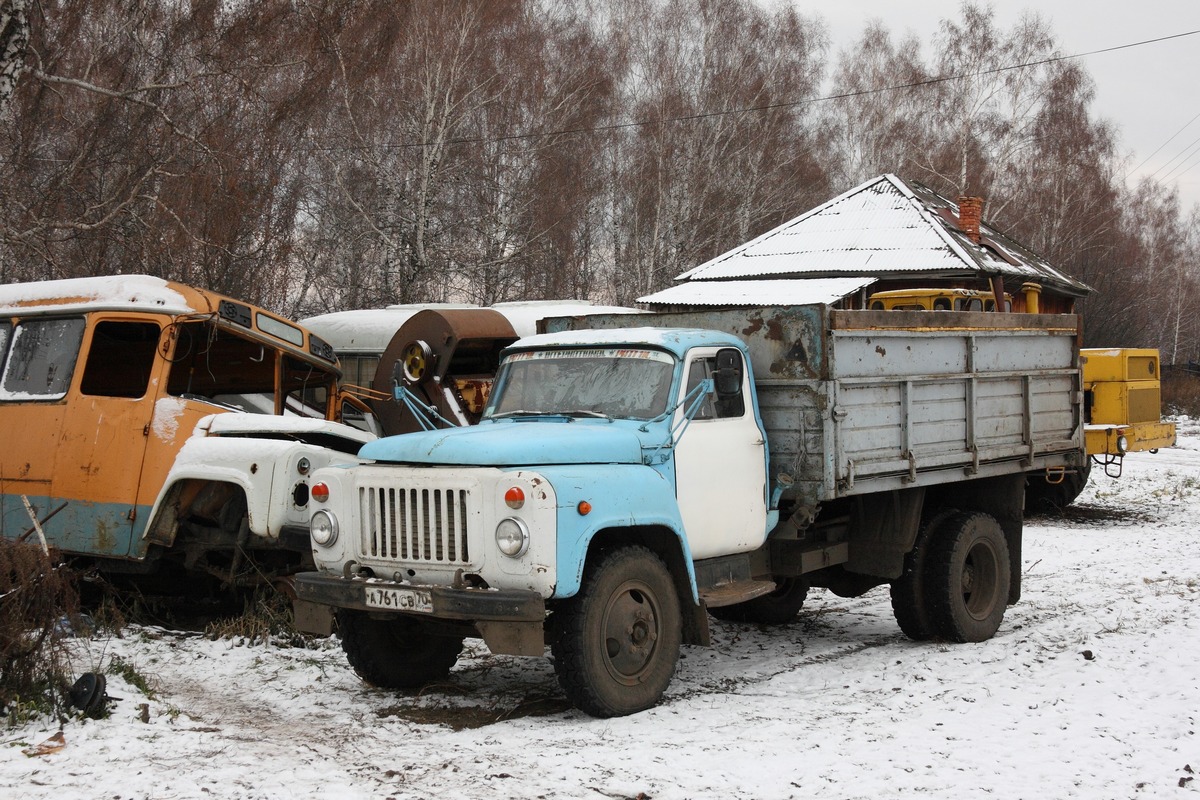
<point x="512" y="537"/>
<point x="1122" y="445"/>
<point x="324" y="528"/>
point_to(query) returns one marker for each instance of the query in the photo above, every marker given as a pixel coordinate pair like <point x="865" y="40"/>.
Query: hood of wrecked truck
<point x="513" y="443"/>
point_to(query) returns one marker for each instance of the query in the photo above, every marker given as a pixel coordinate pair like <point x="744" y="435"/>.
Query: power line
<point x="794" y="103"/>
<point x="1167" y="142"/>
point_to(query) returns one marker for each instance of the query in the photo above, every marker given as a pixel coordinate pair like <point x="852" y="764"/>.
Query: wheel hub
<point x="631" y="632"/>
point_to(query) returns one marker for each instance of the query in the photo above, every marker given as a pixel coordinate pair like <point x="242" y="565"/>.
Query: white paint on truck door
<point x="720" y="468"/>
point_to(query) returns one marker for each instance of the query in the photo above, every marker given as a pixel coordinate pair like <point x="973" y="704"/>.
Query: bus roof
<point x="151" y="295"/>
<point x="126" y="292"/>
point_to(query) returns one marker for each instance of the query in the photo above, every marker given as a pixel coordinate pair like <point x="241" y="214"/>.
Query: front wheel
<point x="396" y="653"/>
<point x="617" y="641"/>
<point x="968" y="578"/>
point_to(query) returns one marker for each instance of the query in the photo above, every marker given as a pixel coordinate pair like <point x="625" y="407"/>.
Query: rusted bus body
<point x="103" y="381"/>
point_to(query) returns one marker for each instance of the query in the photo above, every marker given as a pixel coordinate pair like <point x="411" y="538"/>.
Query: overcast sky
<point x="1150" y="93"/>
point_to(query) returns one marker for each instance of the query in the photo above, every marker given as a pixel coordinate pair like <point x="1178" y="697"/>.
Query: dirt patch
<point x="458" y="717"/>
<point x="1085" y="513"/>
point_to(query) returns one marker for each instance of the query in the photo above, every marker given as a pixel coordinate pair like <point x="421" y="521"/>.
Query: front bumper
<point x="475" y="605"/>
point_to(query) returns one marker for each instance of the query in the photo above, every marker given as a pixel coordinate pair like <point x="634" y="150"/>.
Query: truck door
<point x="104" y="434"/>
<point x="720" y="467"/>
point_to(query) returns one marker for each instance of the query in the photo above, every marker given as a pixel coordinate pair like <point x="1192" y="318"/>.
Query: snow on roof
<point x="368" y="329"/>
<point x="675" y="340"/>
<point x="884" y="227"/>
<point x="143" y="292"/>
<point x="758" y="292"/>
<point x="524" y="315"/>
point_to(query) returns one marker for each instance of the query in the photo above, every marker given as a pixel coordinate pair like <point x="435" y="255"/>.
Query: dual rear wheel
<point x="956" y="580"/>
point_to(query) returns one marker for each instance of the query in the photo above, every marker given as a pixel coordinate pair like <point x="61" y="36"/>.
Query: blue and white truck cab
<point x="620" y="486"/>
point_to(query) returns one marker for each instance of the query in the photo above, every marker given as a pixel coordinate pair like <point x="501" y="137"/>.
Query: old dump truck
<point x="123" y="442"/>
<point x="624" y="481"/>
<point x="1122" y="395"/>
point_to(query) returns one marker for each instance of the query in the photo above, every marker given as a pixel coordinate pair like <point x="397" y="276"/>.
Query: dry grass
<point x="1181" y="393"/>
<point x="38" y="598"/>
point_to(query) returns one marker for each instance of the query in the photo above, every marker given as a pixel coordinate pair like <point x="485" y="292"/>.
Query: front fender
<point x="266" y="470"/>
<point x="621" y="496"/>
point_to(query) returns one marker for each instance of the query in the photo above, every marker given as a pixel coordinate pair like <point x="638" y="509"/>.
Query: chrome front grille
<point x="425" y="525"/>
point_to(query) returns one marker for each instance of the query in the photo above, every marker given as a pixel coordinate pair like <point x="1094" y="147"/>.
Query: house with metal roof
<point x="887" y="233"/>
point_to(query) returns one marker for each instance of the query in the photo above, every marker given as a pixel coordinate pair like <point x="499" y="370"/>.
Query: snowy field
<point x="1091" y="689"/>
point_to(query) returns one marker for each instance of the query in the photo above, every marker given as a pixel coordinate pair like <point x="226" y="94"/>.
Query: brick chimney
<point x="970" y="214"/>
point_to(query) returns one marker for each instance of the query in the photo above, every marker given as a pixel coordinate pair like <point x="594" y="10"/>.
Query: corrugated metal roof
<point x="757" y="292"/>
<point x="882" y="227"/>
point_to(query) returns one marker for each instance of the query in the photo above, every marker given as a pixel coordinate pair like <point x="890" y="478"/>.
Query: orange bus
<point x="146" y="422"/>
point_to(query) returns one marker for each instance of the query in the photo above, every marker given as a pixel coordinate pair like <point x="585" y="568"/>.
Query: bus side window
<point x="42" y="359"/>
<point x="5" y="335"/>
<point x="941" y="304"/>
<point x="120" y="359"/>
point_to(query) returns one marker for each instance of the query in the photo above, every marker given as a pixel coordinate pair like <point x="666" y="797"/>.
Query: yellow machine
<point x="1123" y="398"/>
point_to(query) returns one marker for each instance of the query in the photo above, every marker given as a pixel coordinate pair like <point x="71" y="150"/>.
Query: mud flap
<point x="513" y="638"/>
<point x="313" y="618"/>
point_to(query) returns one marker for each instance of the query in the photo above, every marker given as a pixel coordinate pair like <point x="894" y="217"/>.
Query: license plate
<point x="398" y="599"/>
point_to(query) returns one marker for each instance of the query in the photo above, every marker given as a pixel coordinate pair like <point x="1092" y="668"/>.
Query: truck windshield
<point x="616" y="382"/>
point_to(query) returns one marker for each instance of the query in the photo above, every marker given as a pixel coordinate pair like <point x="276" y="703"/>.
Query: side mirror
<point x="727" y="377"/>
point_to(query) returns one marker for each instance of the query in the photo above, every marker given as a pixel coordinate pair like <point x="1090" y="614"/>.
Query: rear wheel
<point x="776" y="608"/>
<point x="396" y="653"/>
<point x="909" y="604"/>
<point x="617" y="641"/>
<point x="967" y="578"/>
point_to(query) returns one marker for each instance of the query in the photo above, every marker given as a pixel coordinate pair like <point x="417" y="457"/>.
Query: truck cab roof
<point x="674" y="340"/>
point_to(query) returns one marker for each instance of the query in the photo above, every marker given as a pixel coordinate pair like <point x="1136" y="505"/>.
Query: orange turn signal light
<point x="514" y="497"/>
<point x="584" y="508"/>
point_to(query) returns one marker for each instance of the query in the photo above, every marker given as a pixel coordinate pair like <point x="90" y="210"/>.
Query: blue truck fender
<point x="618" y="496"/>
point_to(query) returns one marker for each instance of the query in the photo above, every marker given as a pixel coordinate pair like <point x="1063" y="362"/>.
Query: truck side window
<point x="120" y="359"/>
<point x="42" y="359"/>
<point x="711" y="407"/>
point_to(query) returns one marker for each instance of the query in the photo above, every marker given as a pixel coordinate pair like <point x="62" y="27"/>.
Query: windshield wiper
<point x="520" y="412"/>
<point x="586" y="412"/>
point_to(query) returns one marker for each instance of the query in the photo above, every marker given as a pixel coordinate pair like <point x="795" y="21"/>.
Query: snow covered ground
<point x="1089" y="690"/>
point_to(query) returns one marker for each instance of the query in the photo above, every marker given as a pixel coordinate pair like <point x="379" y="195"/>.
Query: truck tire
<point x="617" y="641"/>
<point x="908" y="591"/>
<point x="1043" y="497"/>
<point x="776" y="608"/>
<point x="967" y="579"/>
<point x="398" y="653"/>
